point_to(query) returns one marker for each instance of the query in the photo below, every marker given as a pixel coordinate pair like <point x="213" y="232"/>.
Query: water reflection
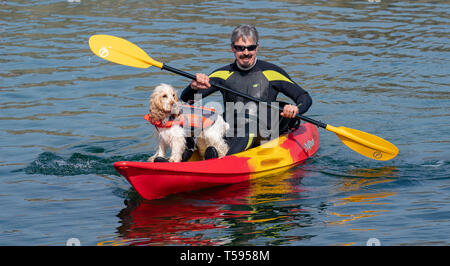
<point x="360" y="191"/>
<point x="235" y="214"/>
<point x="367" y="177"/>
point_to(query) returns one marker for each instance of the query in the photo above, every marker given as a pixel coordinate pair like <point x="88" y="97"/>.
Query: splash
<point x="49" y="163"/>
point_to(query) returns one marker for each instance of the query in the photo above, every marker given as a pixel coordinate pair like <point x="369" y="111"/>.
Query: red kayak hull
<point x="157" y="180"/>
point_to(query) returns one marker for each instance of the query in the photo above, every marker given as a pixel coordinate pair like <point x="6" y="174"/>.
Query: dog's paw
<point x="175" y="159"/>
<point x="151" y="159"/>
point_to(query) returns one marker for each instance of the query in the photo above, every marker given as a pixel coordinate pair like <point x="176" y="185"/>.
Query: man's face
<point x="245" y="58"/>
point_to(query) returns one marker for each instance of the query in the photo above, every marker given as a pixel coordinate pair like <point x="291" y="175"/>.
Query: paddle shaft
<point x="193" y="77"/>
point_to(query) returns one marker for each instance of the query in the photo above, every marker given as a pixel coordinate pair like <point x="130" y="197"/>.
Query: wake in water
<point x="49" y="163"/>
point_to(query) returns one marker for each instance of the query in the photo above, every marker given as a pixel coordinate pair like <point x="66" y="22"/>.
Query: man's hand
<point x="289" y="111"/>
<point x="201" y="82"/>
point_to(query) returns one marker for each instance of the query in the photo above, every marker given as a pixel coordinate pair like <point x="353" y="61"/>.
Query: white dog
<point x="166" y="114"/>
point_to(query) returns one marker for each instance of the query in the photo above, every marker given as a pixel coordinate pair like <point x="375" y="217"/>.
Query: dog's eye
<point x="165" y="96"/>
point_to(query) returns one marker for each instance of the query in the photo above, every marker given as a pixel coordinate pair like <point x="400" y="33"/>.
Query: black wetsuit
<point x="263" y="81"/>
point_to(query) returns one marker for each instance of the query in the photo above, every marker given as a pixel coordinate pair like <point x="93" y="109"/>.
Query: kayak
<point x="158" y="180"/>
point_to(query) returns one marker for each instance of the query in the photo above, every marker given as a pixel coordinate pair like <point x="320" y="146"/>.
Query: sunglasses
<point x="242" y="48"/>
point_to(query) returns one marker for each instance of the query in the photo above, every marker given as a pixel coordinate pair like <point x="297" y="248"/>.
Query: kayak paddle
<point x="123" y="52"/>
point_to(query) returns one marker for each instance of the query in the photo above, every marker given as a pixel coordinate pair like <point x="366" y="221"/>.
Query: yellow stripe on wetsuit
<point x="272" y="75"/>
<point x="250" y="141"/>
<point x="223" y="74"/>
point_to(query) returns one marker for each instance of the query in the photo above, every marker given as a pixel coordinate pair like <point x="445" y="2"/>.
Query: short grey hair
<point x="244" y="31"/>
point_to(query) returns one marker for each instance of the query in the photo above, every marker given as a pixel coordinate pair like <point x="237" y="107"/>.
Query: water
<point x="66" y="115"/>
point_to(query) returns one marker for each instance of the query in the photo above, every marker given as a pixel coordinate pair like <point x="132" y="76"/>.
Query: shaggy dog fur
<point x="164" y="104"/>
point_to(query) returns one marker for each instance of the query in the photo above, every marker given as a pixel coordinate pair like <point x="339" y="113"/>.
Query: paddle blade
<point x="121" y="51"/>
<point x="365" y="144"/>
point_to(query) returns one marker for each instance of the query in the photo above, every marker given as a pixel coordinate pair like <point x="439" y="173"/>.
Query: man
<point x="253" y="77"/>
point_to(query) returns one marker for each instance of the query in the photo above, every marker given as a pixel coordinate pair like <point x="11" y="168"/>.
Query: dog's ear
<point x="156" y="108"/>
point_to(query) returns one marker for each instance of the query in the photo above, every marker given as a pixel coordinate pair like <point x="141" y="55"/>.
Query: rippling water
<point x="66" y="116"/>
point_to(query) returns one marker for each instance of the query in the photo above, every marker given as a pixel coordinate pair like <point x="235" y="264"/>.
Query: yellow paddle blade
<point x="364" y="143"/>
<point x="121" y="51"/>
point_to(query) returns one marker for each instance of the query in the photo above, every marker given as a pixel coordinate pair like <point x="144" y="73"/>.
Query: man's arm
<point x="281" y="82"/>
<point x="199" y="86"/>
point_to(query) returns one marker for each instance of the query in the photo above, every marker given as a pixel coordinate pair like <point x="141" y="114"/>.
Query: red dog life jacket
<point x="189" y="117"/>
